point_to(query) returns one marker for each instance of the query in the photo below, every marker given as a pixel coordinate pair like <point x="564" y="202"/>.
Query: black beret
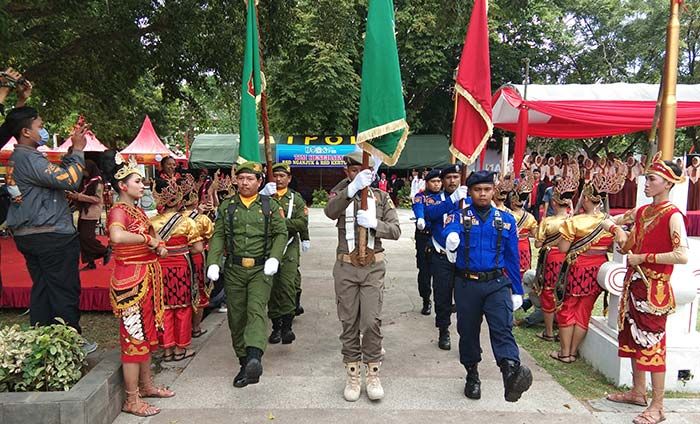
<point x="452" y="169"/>
<point x="433" y="173"/>
<point x="481" y="177"/>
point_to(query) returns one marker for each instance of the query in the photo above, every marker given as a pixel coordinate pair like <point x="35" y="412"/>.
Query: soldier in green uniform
<point x="250" y="229"/>
<point x="359" y="282"/>
<point x="282" y="304"/>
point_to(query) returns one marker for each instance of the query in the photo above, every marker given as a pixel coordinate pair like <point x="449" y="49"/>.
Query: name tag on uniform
<point x="506" y="226"/>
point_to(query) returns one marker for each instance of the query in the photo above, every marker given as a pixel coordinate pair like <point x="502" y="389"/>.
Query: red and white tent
<point x="9" y="147"/>
<point x="147" y="148"/>
<point x="93" y="144"/>
<point x="585" y="110"/>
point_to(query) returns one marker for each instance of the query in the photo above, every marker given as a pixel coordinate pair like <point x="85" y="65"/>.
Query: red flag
<point x="472" y="126"/>
<point x="520" y="140"/>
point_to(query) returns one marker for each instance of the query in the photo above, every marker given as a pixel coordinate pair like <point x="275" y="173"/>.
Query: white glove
<point x="459" y="194"/>
<point x="271" y="266"/>
<point x="269" y="189"/>
<point x="367" y="219"/>
<point x="517" y="301"/>
<point x="452" y="242"/>
<point x="362" y="179"/>
<point x="305" y="245"/>
<point x="213" y="272"/>
<point x="420" y="223"/>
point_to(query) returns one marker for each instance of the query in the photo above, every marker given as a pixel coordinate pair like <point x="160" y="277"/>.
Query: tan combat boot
<point x="353" y="385"/>
<point x="375" y="391"/>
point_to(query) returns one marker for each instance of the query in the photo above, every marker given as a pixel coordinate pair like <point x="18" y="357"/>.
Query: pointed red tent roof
<point x="147" y="147"/>
<point x="9" y="147"/>
<point x="93" y="144"/>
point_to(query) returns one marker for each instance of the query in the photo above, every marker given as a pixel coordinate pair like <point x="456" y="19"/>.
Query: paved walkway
<point x="303" y="382"/>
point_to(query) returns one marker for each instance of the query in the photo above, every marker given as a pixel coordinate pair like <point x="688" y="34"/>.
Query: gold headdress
<point x="565" y="188"/>
<point x="505" y="185"/>
<point x="659" y="167"/>
<point x="131" y="167"/>
<point x="168" y="196"/>
<point x="225" y="184"/>
<point x="189" y="189"/>
<point x="523" y="188"/>
<point x="610" y="181"/>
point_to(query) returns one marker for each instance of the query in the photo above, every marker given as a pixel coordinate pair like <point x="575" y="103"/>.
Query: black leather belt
<point x="482" y="276"/>
<point x="248" y="262"/>
<point x="431" y="249"/>
<point x="424" y="232"/>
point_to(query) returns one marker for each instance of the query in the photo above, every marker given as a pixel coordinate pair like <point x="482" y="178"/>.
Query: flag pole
<point x="263" y="104"/>
<point x="362" y="231"/>
<point x="667" y="124"/>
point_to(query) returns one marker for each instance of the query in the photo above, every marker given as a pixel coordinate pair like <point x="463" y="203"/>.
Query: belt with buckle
<point x="248" y="262"/>
<point x="482" y="276"/>
<point x="344" y="257"/>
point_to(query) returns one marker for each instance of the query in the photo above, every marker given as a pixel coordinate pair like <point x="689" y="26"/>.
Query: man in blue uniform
<point x="482" y="242"/>
<point x="433" y="185"/>
<point x="437" y="208"/>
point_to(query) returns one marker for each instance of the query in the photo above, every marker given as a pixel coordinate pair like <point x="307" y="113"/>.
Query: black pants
<point x="493" y="300"/>
<point x="423" y="264"/>
<point x="443" y="287"/>
<point x="535" y="211"/>
<point x="90" y="247"/>
<point x="52" y="261"/>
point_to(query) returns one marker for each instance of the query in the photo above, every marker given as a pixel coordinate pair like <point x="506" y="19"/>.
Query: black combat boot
<point x="516" y="379"/>
<point x="239" y="380"/>
<point x="276" y="334"/>
<point x="427" y="306"/>
<point x="444" y="340"/>
<point x="286" y="331"/>
<point x="254" y="368"/>
<point x="472" y="389"/>
<point x="300" y="309"/>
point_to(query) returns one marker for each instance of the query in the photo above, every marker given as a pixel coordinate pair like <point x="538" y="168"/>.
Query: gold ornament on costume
<point x="504" y="186"/>
<point x="130" y="168"/>
<point x="169" y="195"/>
<point x="610" y="182"/>
<point x="565" y="187"/>
<point x="189" y="189"/>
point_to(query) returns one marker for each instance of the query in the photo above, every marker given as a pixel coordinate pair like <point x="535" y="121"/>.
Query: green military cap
<point x="355" y="158"/>
<point x="284" y="167"/>
<point x="249" y="168"/>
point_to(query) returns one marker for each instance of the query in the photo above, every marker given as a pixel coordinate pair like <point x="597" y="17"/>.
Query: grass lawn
<point x="579" y="378"/>
<point x="101" y="327"/>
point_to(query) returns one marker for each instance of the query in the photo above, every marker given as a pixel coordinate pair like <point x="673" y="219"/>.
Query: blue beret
<point x="452" y="169"/>
<point x="433" y="173"/>
<point x="481" y="177"/>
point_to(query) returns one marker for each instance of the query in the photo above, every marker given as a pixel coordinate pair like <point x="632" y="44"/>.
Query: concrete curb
<point x="96" y="399"/>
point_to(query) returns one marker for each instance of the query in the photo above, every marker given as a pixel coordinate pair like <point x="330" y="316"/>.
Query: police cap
<point x="481" y="177"/>
<point x="452" y="169"/>
<point x="433" y="173"/>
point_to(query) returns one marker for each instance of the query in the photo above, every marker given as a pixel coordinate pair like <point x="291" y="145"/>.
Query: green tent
<point x="218" y="150"/>
<point x="424" y="151"/>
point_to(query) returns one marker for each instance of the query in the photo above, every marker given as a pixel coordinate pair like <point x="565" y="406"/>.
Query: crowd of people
<point x="473" y="238"/>
<point x="571" y="239"/>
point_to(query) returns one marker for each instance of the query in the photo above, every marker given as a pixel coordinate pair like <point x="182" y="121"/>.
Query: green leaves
<point x="40" y="358"/>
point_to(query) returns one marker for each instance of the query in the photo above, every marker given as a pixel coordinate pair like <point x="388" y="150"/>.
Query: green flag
<point x="250" y="91"/>
<point x="382" y="128"/>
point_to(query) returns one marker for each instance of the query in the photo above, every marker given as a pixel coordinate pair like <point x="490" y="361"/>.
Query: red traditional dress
<point x="205" y="227"/>
<point x="527" y="224"/>
<point x="659" y="233"/>
<point x="136" y="289"/>
<point x="549" y="261"/>
<point x="693" y="172"/>
<point x="588" y="251"/>
<point x="179" y="233"/>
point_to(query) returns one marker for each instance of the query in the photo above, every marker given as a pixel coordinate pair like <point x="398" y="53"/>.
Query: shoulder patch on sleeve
<point x="332" y="194"/>
<point x="449" y="219"/>
<point x="429" y="201"/>
<point x="418" y="199"/>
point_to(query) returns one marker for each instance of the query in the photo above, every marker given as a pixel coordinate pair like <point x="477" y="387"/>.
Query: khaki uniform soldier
<point x="359" y="289"/>
<point x="282" y="304"/>
<point x="250" y="228"/>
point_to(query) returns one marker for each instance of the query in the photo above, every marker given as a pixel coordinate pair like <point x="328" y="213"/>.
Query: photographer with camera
<point x="41" y="223"/>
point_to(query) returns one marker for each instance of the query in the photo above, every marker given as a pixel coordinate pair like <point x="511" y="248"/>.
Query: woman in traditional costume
<point x="205" y="228"/>
<point x="136" y="290"/>
<point x="182" y="238"/>
<point x="585" y="243"/>
<point x="656" y="242"/>
<point x="550" y="258"/>
<point x="693" y="185"/>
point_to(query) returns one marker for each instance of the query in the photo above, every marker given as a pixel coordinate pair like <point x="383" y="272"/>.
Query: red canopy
<point x="585" y="110"/>
<point x="589" y="110"/>
<point x="147" y="147"/>
<point x="93" y="144"/>
<point x="9" y="147"/>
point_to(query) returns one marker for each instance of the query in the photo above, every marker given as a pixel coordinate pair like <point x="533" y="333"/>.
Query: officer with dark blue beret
<point x="433" y="186"/>
<point x="482" y="242"/>
<point x="437" y="208"/>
